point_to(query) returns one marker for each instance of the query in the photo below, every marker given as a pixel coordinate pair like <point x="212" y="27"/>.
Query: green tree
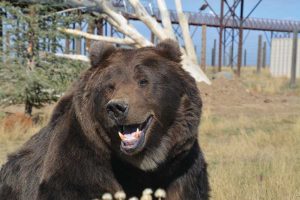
<point x="28" y="73"/>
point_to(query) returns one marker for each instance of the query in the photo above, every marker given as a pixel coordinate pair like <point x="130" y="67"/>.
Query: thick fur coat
<point x="130" y="122"/>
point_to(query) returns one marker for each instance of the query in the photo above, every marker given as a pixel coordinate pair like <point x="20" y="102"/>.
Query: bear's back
<point x="20" y="176"/>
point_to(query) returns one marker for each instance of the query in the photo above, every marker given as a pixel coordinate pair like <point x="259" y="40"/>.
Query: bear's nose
<point x="117" y="109"/>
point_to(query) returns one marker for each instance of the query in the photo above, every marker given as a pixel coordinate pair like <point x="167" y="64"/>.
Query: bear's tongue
<point x="130" y="134"/>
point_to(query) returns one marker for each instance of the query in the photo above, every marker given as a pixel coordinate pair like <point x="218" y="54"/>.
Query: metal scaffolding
<point x="211" y="20"/>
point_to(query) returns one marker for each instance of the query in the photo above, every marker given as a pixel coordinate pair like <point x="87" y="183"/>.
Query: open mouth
<point x="133" y="135"/>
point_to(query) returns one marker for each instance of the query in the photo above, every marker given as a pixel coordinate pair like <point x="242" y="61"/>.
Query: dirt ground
<point x="231" y="98"/>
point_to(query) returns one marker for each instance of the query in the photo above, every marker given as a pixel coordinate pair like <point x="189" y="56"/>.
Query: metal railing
<point x="198" y="19"/>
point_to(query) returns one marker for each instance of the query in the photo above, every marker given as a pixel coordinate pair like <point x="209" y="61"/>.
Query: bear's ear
<point x="100" y="51"/>
<point x="169" y="49"/>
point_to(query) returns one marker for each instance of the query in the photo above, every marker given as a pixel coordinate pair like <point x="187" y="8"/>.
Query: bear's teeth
<point x="137" y="134"/>
<point x="121" y="136"/>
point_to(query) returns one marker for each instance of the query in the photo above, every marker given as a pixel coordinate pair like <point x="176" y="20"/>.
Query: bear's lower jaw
<point x="133" y="138"/>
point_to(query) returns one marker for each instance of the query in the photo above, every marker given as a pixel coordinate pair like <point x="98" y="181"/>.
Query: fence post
<point x="1" y="35"/>
<point x="294" y="59"/>
<point x="99" y="26"/>
<point x="203" y="49"/>
<point x="231" y="57"/>
<point x="258" y="69"/>
<point x="264" y="54"/>
<point x="245" y="57"/>
<point x="78" y="40"/>
<point x="90" y="29"/>
<point x="213" y="55"/>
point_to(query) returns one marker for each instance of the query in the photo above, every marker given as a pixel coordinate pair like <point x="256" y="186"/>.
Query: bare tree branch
<point x="165" y="17"/>
<point x="190" y="49"/>
<point x="148" y="20"/>
<point x="122" y="24"/>
<point x="74" y="57"/>
<point x="127" y="41"/>
<point x="194" y="70"/>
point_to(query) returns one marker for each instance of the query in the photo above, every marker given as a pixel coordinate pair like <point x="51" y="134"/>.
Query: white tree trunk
<point x="148" y="20"/>
<point x="189" y="46"/>
<point x="122" y="24"/>
<point x="74" y="57"/>
<point x="127" y="41"/>
<point x="165" y="18"/>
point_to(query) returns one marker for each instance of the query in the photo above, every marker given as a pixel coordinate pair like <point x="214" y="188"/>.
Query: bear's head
<point x="139" y="102"/>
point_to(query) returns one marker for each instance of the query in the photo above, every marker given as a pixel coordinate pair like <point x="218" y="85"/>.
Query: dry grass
<point x="252" y="158"/>
<point x="265" y="84"/>
<point x="13" y="138"/>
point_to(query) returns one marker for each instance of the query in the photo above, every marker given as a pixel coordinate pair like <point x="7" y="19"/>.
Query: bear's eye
<point x="143" y="82"/>
<point x="109" y="88"/>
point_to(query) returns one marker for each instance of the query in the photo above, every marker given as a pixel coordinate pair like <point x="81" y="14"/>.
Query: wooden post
<point x="294" y="59"/>
<point x="245" y="57"/>
<point x="105" y="28"/>
<point x="73" y="39"/>
<point x="213" y="54"/>
<point x="231" y="57"/>
<point x="264" y="54"/>
<point x="213" y="57"/>
<point x="224" y="48"/>
<point x="221" y="36"/>
<point x="152" y="37"/>
<point x="240" y="46"/>
<point x="258" y="69"/>
<point x="78" y="39"/>
<point x="203" y="48"/>
<point x="99" y="25"/>
<point x="1" y="35"/>
<point x="67" y="38"/>
<point x="67" y="44"/>
<point x="90" y="29"/>
<point x="111" y="31"/>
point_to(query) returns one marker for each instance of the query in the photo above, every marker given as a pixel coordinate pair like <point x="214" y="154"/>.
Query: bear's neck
<point x="161" y="177"/>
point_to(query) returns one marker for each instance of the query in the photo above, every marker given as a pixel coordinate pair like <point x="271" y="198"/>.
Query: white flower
<point x="160" y="193"/>
<point x="147" y="191"/>
<point x="120" y="195"/>
<point x="133" y="198"/>
<point x="107" y="196"/>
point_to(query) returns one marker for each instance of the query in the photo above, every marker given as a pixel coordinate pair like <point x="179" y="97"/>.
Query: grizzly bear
<point x="130" y="122"/>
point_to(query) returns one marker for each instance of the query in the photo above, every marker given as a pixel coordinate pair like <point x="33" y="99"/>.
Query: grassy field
<point x="252" y="158"/>
<point x="250" y="134"/>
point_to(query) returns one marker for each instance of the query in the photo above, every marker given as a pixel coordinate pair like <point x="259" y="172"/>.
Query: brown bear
<point x="130" y="122"/>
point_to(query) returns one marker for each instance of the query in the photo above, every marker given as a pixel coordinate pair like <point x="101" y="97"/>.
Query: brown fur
<point x="77" y="155"/>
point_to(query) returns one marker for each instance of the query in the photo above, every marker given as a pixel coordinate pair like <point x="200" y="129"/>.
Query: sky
<point x="273" y="9"/>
